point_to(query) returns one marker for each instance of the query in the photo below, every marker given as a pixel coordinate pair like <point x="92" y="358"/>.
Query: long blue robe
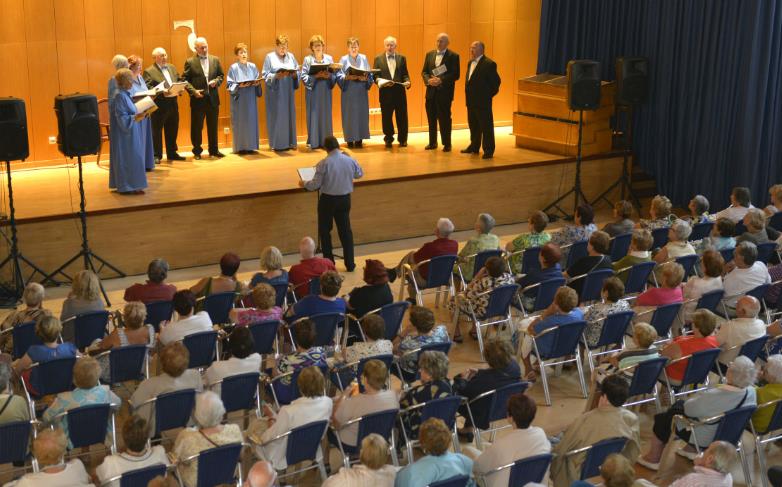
<point x="112" y="92"/>
<point x="126" y="168"/>
<point x="317" y="98"/>
<point x="355" y="100"/>
<point x="146" y="126"/>
<point x="280" y="105"/>
<point x="244" y="106"/>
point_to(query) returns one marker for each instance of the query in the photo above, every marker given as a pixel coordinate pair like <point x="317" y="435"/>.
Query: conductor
<point x="334" y="177"/>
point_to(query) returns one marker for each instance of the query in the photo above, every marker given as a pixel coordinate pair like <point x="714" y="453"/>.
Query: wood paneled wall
<point x="48" y="47"/>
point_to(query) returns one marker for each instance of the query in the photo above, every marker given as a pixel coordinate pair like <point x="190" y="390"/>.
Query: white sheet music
<point x="306" y="173"/>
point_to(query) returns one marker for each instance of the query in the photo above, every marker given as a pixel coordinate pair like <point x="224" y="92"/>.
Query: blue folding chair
<point x="202" y="347"/>
<point x="727" y="254"/>
<point x="659" y="237"/>
<point x="128" y="363"/>
<point x="740" y="228"/>
<point x="766" y="251"/>
<point x="219" y="305"/>
<point x="137" y="478"/>
<point x="444" y="408"/>
<point x="593" y="284"/>
<point x="343" y="374"/>
<point x="87" y="425"/>
<point x="688" y="262"/>
<point x="530" y="260"/>
<point x="700" y="231"/>
<point x="773" y="432"/>
<point x="15" y="441"/>
<point x="217" y="466"/>
<point x="406" y="377"/>
<point x="620" y="245"/>
<point x="285" y="393"/>
<point x="393" y="314"/>
<point x="644" y="381"/>
<point x="480" y="260"/>
<point x="52" y="377"/>
<point x="699" y="364"/>
<point x="775" y="222"/>
<point x="576" y="250"/>
<point x="637" y="276"/>
<point x="523" y="471"/>
<point x="240" y="392"/>
<point x="381" y="423"/>
<point x="265" y="337"/>
<point x="172" y="409"/>
<point x="710" y="300"/>
<point x="497" y="310"/>
<point x="544" y="294"/>
<point x="612" y="335"/>
<point x="492" y="406"/>
<point x="439" y="275"/>
<point x="457" y="481"/>
<point x="158" y="312"/>
<point x="758" y="293"/>
<point x="302" y="445"/>
<point x="662" y="319"/>
<point x="24" y="337"/>
<point x="559" y="342"/>
<point x="753" y="348"/>
<point x="281" y="294"/>
<point x="326" y="328"/>
<point x="88" y="327"/>
<point x="596" y="455"/>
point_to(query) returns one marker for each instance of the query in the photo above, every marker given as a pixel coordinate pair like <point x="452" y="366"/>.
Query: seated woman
<point x="188" y="319"/>
<point x="482" y="240"/>
<point x="757" y="231"/>
<point x="86" y="374"/>
<point x="770" y="391"/>
<point x="549" y="258"/>
<point x="582" y="228"/>
<point x="439" y="463"/>
<point x="375" y="294"/>
<point x="738" y="392"/>
<point x="264" y="308"/>
<point x="474" y="297"/>
<point x="155" y="289"/>
<point x="424" y="332"/>
<point x="616" y="471"/>
<point x="712" y="266"/>
<point x="372" y="469"/>
<point x="271" y="268"/>
<point x="306" y="355"/>
<point x="434" y="384"/>
<point x="375" y="344"/>
<point x="225" y="282"/>
<point x="32" y="296"/>
<point x="704" y="323"/>
<point x="47" y="329"/>
<point x="699" y="210"/>
<point x="611" y="294"/>
<point x="721" y="238"/>
<point x="134" y="332"/>
<point x="536" y="237"/>
<point x="639" y="251"/>
<point x="138" y="453"/>
<point x="503" y="370"/>
<point x="49" y="449"/>
<point x="622" y="223"/>
<point x="208" y="433"/>
<point x="670" y="291"/>
<point x="243" y="359"/>
<point x="85" y="296"/>
<point x="659" y="214"/>
<point x="325" y="302"/>
<point x="597" y="257"/>
<point x="677" y="245"/>
<point x="13" y="407"/>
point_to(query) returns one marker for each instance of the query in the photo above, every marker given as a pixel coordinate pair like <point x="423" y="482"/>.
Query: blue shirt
<point x="314" y="305"/>
<point x="42" y="353"/>
<point x="431" y="469"/>
<point x="334" y="175"/>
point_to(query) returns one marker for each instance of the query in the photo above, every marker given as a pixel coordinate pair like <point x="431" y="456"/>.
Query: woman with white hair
<point x="737" y="392"/>
<point x="771" y="391"/>
<point x="483" y="240"/>
<point x="127" y="173"/>
<point x="33" y="300"/>
<point x="712" y="468"/>
<point x="677" y="245"/>
<point x="85" y="296"/>
<point x="49" y="450"/>
<point x="757" y="231"/>
<point x="271" y="268"/>
<point x="119" y="61"/>
<point x="372" y="470"/>
<point x="208" y="433"/>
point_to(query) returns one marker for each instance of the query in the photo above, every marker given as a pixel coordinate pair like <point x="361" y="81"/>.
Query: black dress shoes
<point x="175" y="157"/>
<point x="403" y="144"/>
<point x="217" y="154"/>
<point x="469" y="150"/>
<point x="359" y="144"/>
<point x="487" y="156"/>
<point x="447" y="148"/>
<point x="197" y="157"/>
<point x="431" y="147"/>
<point x="351" y="145"/>
<point x="388" y="145"/>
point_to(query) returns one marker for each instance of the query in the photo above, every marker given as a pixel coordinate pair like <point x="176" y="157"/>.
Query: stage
<point x="194" y="211"/>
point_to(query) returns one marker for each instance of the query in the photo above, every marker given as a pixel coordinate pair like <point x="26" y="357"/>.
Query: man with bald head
<point x="738" y="331"/>
<point x="204" y="75"/>
<point x="481" y="85"/>
<point x="166" y="117"/>
<point x="440" y="72"/>
<point x="261" y="474"/>
<point x="309" y="267"/>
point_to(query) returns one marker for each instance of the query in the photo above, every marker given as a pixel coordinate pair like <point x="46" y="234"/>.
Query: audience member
<point x="243" y="359"/>
<point x="609" y="420"/>
<point x="49" y="449"/>
<point x="155" y="289"/>
<point x="433" y="384"/>
<point x="309" y="267"/>
<point x="482" y="240"/>
<point x="536" y="237"/>
<point x="32" y="296"/>
<point x="739" y="205"/>
<point x="372" y="471"/>
<point x="639" y="251"/>
<point x="374" y="343"/>
<point x="325" y="302"/>
<point x="611" y="302"/>
<point x="699" y="210"/>
<point x="582" y="228"/>
<point x="423" y="332"/>
<point x="622" y="223"/>
<point x="187" y="321"/>
<point x="747" y="274"/>
<point x="84" y="298"/>
<point x="48" y="330"/>
<point x="597" y="257"/>
<point x="757" y="231"/>
<point x="660" y="215"/>
<point x="744" y="327"/>
<point x="271" y="268"/>
<point x="264" y="307"/>
<point x="261" y="474"/>
<point x="226" y="282"/>
<point x="549" y="257"/>
<point x="712" y="468"/>
<point x="710" y="279"/>
<point x="775" y="195"/>
<point x="721" y="237"/>
<point x="474" y="298"/>
<point x="138" y="453"/>
<point x="677" y="245"/>
<point x="132" y="333"/>
<point x="12" y="407"/>
<point x="439" y="463"/>
<point x="306" y="354"/>
<point x="376" y="294"/>
<point x="670" y="290"/>
<point x="703" y="324"/>
<point x="770" y="391"/>
<point x="616" y="471"/>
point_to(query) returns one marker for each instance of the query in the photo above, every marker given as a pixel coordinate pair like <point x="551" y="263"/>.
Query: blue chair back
<point x="458" y="481"/>
<point x="24" y="337"/>
<point x="529" y="470"/>
<point x="740" y="228"/>
<point x="392" y="315"/>
<point x="662" y="318"/>
<point x="440" y="269"/>
<point x="732" y="425"/>
<point x="753" y="348"/>
<point x="239" y="392"/>
<point x="494" y="407"/>
<point x="766" y="250"/>
<point x="315" y="286"/>
<point x="219" y="305"/>
<point x="381" y="423"/>
<point x="710" y="300"/>
<point x="775" y="221"/>
<point x="14" y="441"/>
<point x="700" y="231"/>
<point x="530" y="260"/>
<point x="304" y="442"/>
<point x="217" y="466"/>
<point x="387" y="359"/>
<point x="264" y="335"/>
<point x="280" y="293"/>
<point x="614" y="329"/>
<point x="87" y="424"/>
<point x="546" y="292"/>
<point x="500" y="300"/>
<point x="776" y="420"/>
<point x="158" y="312"/>
<point x="659" y="237"/>
<point x="142" y="476"/>
<point x="326" y="327"/>
<point x="727" y="254"/>
<point x="620" y="245"/>
<point x="759" y="292"/>
<point x="638" y="276"/>
<point x="563" y="341"/>
<point x="688" y="262"/>
<point x="444" y="347"/>
<point x="127" y="363"/>
<point x="173" y="409"/>
<point x="576" y="251"/>
<point x="53" y="377"/>
<point x="484" y="255"/>
<point x="645" y="376"/>
<point x="287" y="393"/>
<point x="596" y="455"/>
<point x="201" y="346"/>
<point x="88" y="327"/>
<point x="699" y="365"/>
<point x="593" y="284"/>
<point x="444" y="408"/>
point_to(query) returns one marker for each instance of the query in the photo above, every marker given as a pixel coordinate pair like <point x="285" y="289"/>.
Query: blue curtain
<point x="713" y="119"/>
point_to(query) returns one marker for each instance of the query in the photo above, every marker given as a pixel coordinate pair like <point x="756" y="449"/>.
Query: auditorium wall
<point x="51" y="47"/>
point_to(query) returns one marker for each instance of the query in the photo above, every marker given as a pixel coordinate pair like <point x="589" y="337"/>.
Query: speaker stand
<point x="623" y="182"/>
<point x="85" y="253"/>
<point x="11" y="293"/>
<point x="576" y="190"/>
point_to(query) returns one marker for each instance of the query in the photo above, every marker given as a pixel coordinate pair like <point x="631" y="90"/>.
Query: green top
<point x="523" y="242"/>
<point x="479" y="243"/>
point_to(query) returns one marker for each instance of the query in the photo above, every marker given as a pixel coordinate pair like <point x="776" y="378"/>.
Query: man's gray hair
<point x="201" y="40"/>
<point x="742" y="372"/>
<point x="701" y="204"/>
<point x="390" y="39"/>
<point x="748" y="252"/>
<point x="157" y="271"/>
<point x="773" y="369"/>
<point x="33" y="294"/>
<point x="486" y="222"/>
<point x="5" y="376"/>
<point x="119" y="61"/>
<point x="444" y="227"/>
<point x="158" y="51"/>
<point x="209" y="410"/>
<point x="681" y="229"/>
<point x="723" y="456"/>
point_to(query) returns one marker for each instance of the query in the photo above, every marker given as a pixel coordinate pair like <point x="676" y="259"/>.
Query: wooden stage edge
<point x="195" y="211"/>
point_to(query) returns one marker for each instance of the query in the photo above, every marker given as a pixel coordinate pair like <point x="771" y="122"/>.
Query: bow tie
<point x="203" y="58"/>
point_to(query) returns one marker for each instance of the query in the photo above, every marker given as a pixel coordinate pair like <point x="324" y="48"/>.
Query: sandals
<point x="646" y="463"/>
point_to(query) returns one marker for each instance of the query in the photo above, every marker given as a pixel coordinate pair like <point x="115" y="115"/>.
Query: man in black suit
<point x="393" y="68"/>
<point x="204" y="75"/>
<point x="481" y="85"/>
<point x="166" y="117"/>
<point x="440" y="72"/>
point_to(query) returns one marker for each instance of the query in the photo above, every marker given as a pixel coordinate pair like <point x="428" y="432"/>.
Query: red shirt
<point x="435" y="248"/>
<point x="150" y="292"/>
<point x="688" y="345"/>
<point x="658" y="296"/>
<point x="306" y="270"/>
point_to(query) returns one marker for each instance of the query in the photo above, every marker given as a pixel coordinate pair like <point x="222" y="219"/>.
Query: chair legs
<point x="761" y="461"/>
<point x="580" y="368"/>
<point x="745" y="466"/>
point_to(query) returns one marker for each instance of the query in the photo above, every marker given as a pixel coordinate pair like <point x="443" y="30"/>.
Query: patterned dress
<point x="300" y="360"/>
<point x="474" y="293"/>
<point x="76" y="398"/>
<point x="409" y="363"/>
<point x="597" y="312"/>
<point x="573" y="233"/>
<point x="420" y="394"/>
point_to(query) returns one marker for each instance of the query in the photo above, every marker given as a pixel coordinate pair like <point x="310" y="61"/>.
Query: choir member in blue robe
<point x="119" y="61"/>
<point x="280" y="86"/>
<point x="126" y="169"/>
<point x="244" y="102"/>
<point x="134" y="64"/>
<point x="318" y="93"/>
<point x="355" y="96"/>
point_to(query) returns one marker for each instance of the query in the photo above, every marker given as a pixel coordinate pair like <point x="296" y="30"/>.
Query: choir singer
<point x="244" y="91"/>
<point x="126" y="167"/>
<point x="482" y="84"/>
<point x="317" y="94"/>
<point x="441" y="70"/>
<point x="355" y="79"/>
<point x="393" y="80"/>
<point x="280" y="70"/>
<point x="204" y="75"/>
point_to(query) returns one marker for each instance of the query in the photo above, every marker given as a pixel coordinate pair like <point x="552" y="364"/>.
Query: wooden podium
<point x="544" y="122"/>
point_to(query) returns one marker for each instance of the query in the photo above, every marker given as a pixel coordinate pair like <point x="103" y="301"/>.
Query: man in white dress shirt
<point x="393" y="82"/>
<point x="738" y="331"/>
<point x="187" y="322"/>
<point x="748" y="273"/>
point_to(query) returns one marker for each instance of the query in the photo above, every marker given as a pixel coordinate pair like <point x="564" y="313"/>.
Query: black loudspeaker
<point x="632" y="80"/>
<point x="583" y="85"/>
<point x="14" y="145"/>
<point x="77" y="122"/>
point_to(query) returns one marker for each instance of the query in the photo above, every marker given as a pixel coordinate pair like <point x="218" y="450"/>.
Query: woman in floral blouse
<point x="659" y="214"/>
<point x="612" y="302"/>
<point x="483" y="240"/>
<point x="582" y="229"/>
<point x="476" y="295"/>
<point x="434" y="385"/>
<point x="425" y="332"/>
<point x="536" y="237"/>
